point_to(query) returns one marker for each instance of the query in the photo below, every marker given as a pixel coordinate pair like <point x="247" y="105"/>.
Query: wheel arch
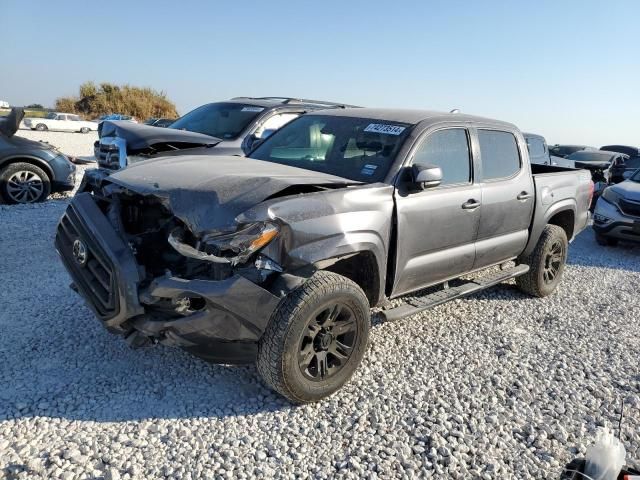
<point x="566" y="220"/>
<point x="33" y="160"/>
<point x="361" y="268"/>
<point x="559" y="214"/>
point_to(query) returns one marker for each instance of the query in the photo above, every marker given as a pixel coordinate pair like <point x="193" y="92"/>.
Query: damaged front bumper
<point x="220" y="320"/>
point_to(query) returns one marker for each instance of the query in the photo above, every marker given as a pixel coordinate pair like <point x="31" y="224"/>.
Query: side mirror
<point x="426" y="175"/>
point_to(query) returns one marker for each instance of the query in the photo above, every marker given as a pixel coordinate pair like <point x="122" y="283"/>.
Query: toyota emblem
<point x="80" y="253"/>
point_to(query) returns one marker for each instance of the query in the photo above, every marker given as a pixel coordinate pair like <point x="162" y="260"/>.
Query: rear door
<point x="437" y="227"/>
<point x="507" y="196"/>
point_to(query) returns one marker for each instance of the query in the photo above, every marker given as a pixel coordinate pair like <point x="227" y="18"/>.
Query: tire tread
<point x="271" y="355"/>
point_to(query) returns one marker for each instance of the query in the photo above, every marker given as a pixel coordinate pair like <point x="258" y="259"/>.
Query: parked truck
<point x="278" y="257"/>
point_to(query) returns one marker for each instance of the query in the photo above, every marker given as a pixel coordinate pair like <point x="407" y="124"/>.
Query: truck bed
<point x="557" y="188"/>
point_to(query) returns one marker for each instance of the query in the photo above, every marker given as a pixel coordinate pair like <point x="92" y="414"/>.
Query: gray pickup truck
<point x="277" y="258"/>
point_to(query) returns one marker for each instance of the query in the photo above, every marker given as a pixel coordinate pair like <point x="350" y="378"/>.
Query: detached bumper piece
<point x="219" y="320"/>
<point x="101" y="264"/>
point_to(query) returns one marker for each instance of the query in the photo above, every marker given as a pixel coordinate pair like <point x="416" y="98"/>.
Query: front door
<point x="437" y="226"/>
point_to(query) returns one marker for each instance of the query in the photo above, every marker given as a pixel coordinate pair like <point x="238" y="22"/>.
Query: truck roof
<point x="411" y="116"/>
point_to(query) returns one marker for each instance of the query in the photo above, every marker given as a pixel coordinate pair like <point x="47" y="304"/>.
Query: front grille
<point x="629" y="208"/>
<point x="96" y="278"/>
<point x="108" y="156"/>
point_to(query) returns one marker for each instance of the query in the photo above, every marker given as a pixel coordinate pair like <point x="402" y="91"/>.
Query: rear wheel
<point x="24" y="183"/>
<point x="606" y="241"/>
<point x="41" y="127"/>
<point x="546" y="262"/>
<point x="85" y="130"/>
<point x="315" y="339"/>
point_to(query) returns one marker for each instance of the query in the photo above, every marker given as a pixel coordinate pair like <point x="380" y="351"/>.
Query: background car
<point x="30" y="170"/>
<point x="540" y="154"/>
<point x="234" y="127"/>
<point x="63" y="122"/>
<point x="566" y="150"/>
<point x="599" y="163"/>
<point x="620" y="171"/>
<point x="117" y="116"/>
<point x="617" y="213"/>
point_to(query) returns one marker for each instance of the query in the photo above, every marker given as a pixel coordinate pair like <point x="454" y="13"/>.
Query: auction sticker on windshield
<point x="384" y="128"/>
<point x="252" y="109"/>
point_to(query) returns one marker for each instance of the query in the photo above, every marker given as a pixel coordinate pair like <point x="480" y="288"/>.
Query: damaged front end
<point x="149" y="278"/>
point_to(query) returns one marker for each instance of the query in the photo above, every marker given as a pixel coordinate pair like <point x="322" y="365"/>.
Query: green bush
<point x="106" y="98"/>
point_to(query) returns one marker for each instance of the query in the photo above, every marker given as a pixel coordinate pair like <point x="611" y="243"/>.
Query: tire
<point x="41" y="127"/>
<point x="605" y="241"/>
<point x="300" y="355"/>
<point x="546" y="262"/>
<point x="24" y="183"/>
<point x="85" y="130"/>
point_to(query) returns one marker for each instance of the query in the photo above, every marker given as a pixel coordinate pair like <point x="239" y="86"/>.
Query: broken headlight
<point x="233" y="248"/>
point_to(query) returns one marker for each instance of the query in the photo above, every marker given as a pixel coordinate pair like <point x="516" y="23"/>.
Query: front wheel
<point x="24" y="183"/>
<point x="315" y="339"/>
<point x="85" y="130"/>
<point x="41" y="127"/>
<point x="546" y="262"/>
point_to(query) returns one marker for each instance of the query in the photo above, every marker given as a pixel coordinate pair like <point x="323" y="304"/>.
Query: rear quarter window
<point x="499" y="153"/>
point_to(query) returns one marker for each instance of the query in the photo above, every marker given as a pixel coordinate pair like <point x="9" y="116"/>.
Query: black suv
<point x="234" y="127"/>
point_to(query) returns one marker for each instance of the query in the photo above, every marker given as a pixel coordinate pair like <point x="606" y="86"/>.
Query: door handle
<point x="524" y="196"/>
<point x="471" y="204"/>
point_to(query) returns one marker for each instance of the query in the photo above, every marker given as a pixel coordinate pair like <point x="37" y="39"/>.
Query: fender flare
<point x="538" y="226"/>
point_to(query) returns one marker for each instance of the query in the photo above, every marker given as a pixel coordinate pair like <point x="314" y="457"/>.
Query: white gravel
<point x="72" y="144"/>
<point x="498" y="385"/>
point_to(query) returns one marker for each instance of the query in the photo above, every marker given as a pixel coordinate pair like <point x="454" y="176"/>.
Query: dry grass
<point x="95" y="100"/>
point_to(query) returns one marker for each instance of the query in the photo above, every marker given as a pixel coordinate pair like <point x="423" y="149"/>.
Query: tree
<point x="36" y="106"/>
<point x="95" y="100"/>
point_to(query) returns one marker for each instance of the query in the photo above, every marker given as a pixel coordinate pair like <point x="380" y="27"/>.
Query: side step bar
<point x="418" y="304"/>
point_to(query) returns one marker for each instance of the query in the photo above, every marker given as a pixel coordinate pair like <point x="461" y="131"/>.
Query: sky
<point x="569" y="70"/>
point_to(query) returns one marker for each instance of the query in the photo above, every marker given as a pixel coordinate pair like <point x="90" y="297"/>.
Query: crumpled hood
<point x="593" y="165"/>
<point x="9" y="124"/>
<point x="628" y="189"/>
<point x="208" y="192"/>
<point x="140" y="136"/>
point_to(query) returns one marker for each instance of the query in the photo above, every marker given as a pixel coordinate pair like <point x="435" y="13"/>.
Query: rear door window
<point x="449" y="150"/>
<point x="499" y="153"/>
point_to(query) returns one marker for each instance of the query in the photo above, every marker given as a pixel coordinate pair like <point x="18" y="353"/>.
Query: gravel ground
<point x="497" y="385"/>
<point x="73" y="144"/>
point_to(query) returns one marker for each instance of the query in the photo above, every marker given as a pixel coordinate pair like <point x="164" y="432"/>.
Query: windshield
<point x="633" y="162"/>
<point x="51" y="116"/>
<point x="360" y="149"/>
<point x="590" y="156"/>
<point x="221" y="120"/>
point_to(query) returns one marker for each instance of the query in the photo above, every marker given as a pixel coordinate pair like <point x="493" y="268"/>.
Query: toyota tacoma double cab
<point x="278" y="257"/>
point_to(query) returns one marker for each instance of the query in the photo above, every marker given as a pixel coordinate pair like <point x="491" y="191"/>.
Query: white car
<point x="64" y="122"/>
